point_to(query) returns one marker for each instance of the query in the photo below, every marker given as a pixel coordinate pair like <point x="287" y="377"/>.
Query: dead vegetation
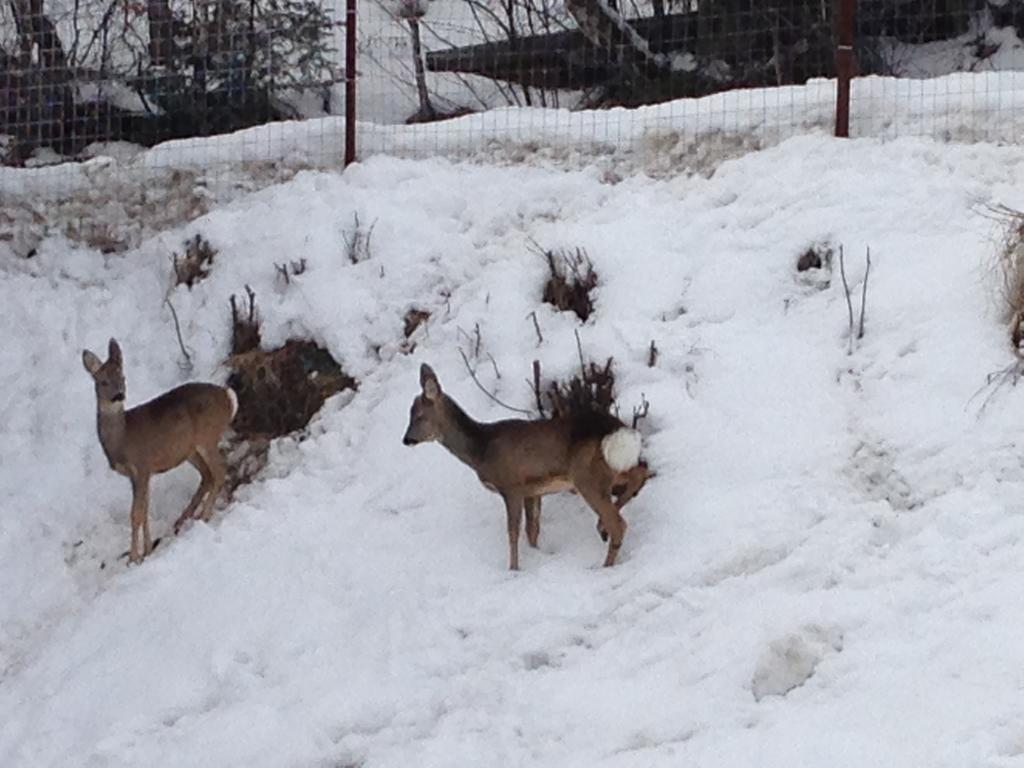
<point x="1010" y="264"/>
<point x="197" y="262"/>
<point x="817" y="256"/>
<point x="1011" y="267"/>
<point x="413" y="319"/>
<point x="98" y="234"/>
<point x="289" y="270"/>
<point x="571" y="279"/>
<point x="411" y="323"/>
<point x="589" y="391"/>
<point x="245" y="325"/>
<point x="592" y="390"/>
<point x="279" y="390"/>
<point x="855" y="331"/>
<point x="357" y="239"/>
<point x="814" y="266"/>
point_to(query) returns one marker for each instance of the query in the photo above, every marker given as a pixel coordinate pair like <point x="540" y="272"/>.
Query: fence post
<point x="844" y="65"/>
<point x="350" y="81"/>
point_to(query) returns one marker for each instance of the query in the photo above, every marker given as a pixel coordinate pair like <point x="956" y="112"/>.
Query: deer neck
<point x="465" y="438"/>
<point x="110" y="425"/>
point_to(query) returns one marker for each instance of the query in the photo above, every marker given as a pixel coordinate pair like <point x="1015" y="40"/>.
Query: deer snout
<point x="408" y="440"/>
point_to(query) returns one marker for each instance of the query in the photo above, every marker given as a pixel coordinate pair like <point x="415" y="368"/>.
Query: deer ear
<point x="114" y="352"/>
<point x="428" y="380"/>
<point x="91" y="362"/>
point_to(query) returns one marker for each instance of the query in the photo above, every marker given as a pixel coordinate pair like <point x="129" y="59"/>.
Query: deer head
<point x="426" y="417"/>
<point x="109" y="376"/>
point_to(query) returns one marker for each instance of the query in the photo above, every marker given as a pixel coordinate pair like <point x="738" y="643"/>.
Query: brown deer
<point x="184" y="424"/>
<point x="524" y="460"/>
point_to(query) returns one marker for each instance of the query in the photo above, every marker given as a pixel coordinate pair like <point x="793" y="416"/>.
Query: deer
<point x="183" y="424"/>
<point x="594" y="455"/>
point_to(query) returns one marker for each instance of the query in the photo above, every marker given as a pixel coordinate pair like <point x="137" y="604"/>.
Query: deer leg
<point x="140" y="519"/>
<point x="205" y="479"/>
<point x="514" y="509"/>
<point x="635" y="479"/>
<point x="610" y="521"/>
<point x="532" y="505"/>
<point x="214" y="461"/>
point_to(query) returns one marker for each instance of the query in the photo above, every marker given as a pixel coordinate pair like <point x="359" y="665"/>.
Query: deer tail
<point x="621" y="449"/>
<point x="233" y="397"/>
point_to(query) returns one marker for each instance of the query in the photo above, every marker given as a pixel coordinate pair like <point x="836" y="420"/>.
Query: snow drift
<point x="826" y="569"/>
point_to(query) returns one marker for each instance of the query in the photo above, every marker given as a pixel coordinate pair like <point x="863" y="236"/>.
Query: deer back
<point x="162" y="433"/>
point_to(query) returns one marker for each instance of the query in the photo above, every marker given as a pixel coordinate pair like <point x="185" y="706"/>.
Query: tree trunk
<point x="161" y="32"/>
<point x="426" y="110"/>
<point x="42" y="92"/>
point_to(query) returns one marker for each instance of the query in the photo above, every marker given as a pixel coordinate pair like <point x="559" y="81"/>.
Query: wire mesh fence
<point x="575" y="62"/>
<point x="944" y="68"/>
<point x="228" y="82"/>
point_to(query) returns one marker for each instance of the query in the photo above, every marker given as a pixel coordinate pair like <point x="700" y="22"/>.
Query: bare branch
<point x="849" y="302"/>
<point x="187" y="365"/>
<point x="652" y="355"/>
<point x="864" y="296"/>
<point x="484" y="389"/>
<point x="536" y="389"/>
<point x="536" y="327"/>
<point x="640" y="411"/>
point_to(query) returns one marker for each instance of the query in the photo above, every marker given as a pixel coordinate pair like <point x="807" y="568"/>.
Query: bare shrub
<point x="245" y="326"/>
<point x="357" y="241"/>
<point x="413" y="319"/>
<point x="817" y="256"/>
<point x="590" y="391"/>
<point x="195" y="265"/>
<point x="101" y="235"/>
<point x="289" y="270"/>
<point x="279" y="390"/>
<point x="1011" y="265"/>
<point x="652" y="354"/>
<point x="571" y="278"/>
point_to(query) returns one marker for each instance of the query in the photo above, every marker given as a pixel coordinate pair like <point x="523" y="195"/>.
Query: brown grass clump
<point x="413" y="319"/>
<point x="411" y="323"/>
<point x="1011" y="265"/>
<point x="245" y="325"/>
<point x="571" y="278"/>
<point x="195" y="265"/>
<point x="590" y="391"/>
<point x="279" y="390"/>
<point x="817" y="256"/>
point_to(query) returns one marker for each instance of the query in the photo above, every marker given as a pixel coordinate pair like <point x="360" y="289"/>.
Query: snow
<point x="825" y="570"/>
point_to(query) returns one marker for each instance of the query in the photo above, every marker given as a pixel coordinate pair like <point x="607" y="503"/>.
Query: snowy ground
<point x="826" y="570"/>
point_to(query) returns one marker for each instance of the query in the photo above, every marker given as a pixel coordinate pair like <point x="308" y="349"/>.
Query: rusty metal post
<point x="844" y="65"/>
<point x="350" y="81"/>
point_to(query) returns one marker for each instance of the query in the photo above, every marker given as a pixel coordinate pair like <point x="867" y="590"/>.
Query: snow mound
<point x="790" y="661"/>
<point x="353" y="605"/>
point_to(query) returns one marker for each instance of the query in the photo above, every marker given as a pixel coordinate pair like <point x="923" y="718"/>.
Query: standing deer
<point x="184" y="424"/>
<point x="524" y="460"/>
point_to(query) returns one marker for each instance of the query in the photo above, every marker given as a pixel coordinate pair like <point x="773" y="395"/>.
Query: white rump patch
<point x="234" y="401"/>
<point x="621" y="449"/>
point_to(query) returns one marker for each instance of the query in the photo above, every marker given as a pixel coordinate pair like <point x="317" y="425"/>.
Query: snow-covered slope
<point x="826" y="570"/>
